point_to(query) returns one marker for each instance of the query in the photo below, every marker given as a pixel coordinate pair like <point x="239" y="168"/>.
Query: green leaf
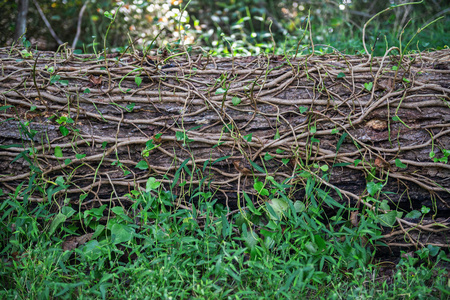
<point x="5" y="107"/>
<point x="302" y="109"/>
<point x="394" y="68"/>
<point x="324" y="168"/>
<point x="285" y="160"/>
<point x="59" y="180"/>
<point x="415" y="214"/>
<point x="250" y="205"/>
<point x="425" y="209"/>
<point x="259" y="187"/>
<point x="334" y="131"/>
<point x="374" y="188"/>
<point x="152" y="184"/>
<point x="54" y="78"/>
<point x="228" y="128"/>
<point x="68" y="211"/>
<point x="149" y="146"/>
<point x="406" y="80"/>
<point x="340" y="75"/>
<point x="80" y="156"/>
<point x="434" y="250"/>
<point x="220" y="91"/>
<point x="320" y="242"/>
<point x="279" y="151"/>
<point x="327" y="199"/>
<point x="142" y="165"/>
<point x="368" y="86"/>
<point x="61" y="120"/>
<point x="130" y="107"/>
<point x="399" y="164"/>
<point x="258" y="168"/>
<point x="64" y="131"/>
<point x="279" y="206"/>
<point x="67" y="161"/>
<point x="267" y="156"/>
<point x="248" y="137"/>
<point x="108" y="15"/>
<point x="299" y="206"/>
<point x="388" y="219"/>
<point x="180" y="135"/>
<point x="272" y="214"/>
<point x="250" y="238"/>
<point x="98" y="230"/>
<point x="313" y="129"/>
<point x="357" y="161"/>
<point x="235" y="100"/>
<point x="395" y="118"/>
<point x="277" y="135"/>
<point x="58" y="151"/>
<point x="60" y="218"/>
<point x="384" y="205"/>
<point x="11" y="146"/>
<point x="432" y="154"/>
<point x="177" y="173"/>
<point x="221" y="158"/>
<point x="92" y="249"/>
<point x="311" y="247"/>
<point x="138" y="80"/>
<point x="341" y="140"/>
<point x="121" y="233"/>
<point x="64" y="82"/>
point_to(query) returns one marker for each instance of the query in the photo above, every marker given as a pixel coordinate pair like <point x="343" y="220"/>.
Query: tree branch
<point x="47" y="23"/>
<point x="80" y="17"/>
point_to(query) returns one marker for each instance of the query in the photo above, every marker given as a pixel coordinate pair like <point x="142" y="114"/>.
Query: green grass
<point x="153" y="250"/>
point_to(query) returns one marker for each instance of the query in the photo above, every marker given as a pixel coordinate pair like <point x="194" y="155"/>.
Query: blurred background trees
<point x="244" y="27"/>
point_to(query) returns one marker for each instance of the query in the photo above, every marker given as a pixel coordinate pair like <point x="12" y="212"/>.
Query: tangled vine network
<point x="88" y="129"/>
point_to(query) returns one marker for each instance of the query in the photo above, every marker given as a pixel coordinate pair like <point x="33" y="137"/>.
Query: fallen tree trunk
<point x="353" y="128"/>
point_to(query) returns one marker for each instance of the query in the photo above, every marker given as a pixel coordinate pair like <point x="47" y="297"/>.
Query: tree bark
<point x="21" y="21"/>
<point x="321" y="126"/>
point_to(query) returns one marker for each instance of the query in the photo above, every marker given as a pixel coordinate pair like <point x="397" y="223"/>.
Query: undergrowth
<point x="153" y="250"/>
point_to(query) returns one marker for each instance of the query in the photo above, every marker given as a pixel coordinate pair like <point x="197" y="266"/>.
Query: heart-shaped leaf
<point x="368" y="86"/>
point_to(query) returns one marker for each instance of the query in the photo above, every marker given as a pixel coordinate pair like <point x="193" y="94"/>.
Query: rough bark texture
<point x="334" y="122"/>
